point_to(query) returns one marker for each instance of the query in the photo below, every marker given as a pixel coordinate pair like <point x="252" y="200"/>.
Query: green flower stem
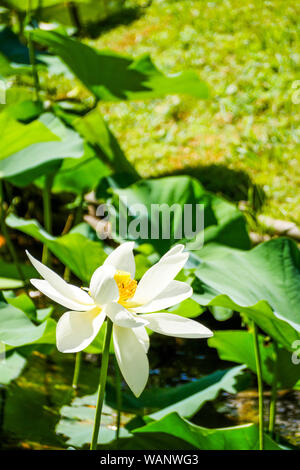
<point x="74" y="15"/>
<point x="273" y="402"/>
<point x="79" y="210"/>
<point x="77" y="220"/>
<point x="77" y="369"/>
<point x="67" y="273"/>
<point x="102" y="383"/>
<point x="260" y="386"/>
<point x="3" y="396"/>
<point x="32" y="55"/>
<point x="47" y="213"/>
<point x="5" y="233"/>
<point x="34" y="68"/>
<point x="118" y="396"/>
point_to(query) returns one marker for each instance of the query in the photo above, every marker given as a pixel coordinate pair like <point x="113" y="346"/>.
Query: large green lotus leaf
<point x="9" y="275"/>
<point x="17" y="330"/>
<point x="6" y="68"/>
<point x="88" y="11"/>
<point x="36" y="4"/>
<point x="221" y="313"/>
<point x="42" y="314"/>
<point x="30" y="408"/>
<point x="158" y="441"/>
<point x="20" y="104"/>
<point x="7" y="283"/>
<point x="14" y="55"/>
<point x="77" y="419"/>
<point x="24" y="111"/>
<point x="88" y="232"/>
<point x="77" y="422"/>
<point x="93" y="128"/>
<point x="101" y="144"/>
<point x="78" y="176"/>
<point x="189" y="406"/>
<point x="47" y="340"/>
<point x="102" y="153"/>
<point x="187" y="308"/>
<point x="237" y="346"/>
<point x="186" y="399"/>
<point x="260" y="313"/>
<point x="11" y="367"/>
<point x="82" y="175"/>
<point x="264" y="283"/>
<point x="81" y="255"/>
<point x="17" y="136"/>
<point x="244" y="437"/>
<point x="111" y="76"/>
<point x="28" y="151"/>
<point x="24" y="303"/>
<point x="223" y="222"/>
<point x="12" y="48"/>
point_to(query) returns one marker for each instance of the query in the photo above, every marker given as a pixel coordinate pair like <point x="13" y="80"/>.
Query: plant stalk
<point x="273" y="402"/>
<point x="77" y="369"/>
<point x="3" y="396"/>
<point x="118" y="396"/>
<point x="35" y="75"/>
<point x="5" y="233"/>
<point x="74" y="15"/>
<point x="102" y="383"/>
<point x="67" y="272"/>
<point x="260" y="386"/>
<point x="76" y="219"/>
<point x="47" y="213"/>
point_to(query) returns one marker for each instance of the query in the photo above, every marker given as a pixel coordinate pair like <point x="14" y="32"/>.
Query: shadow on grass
<point x="124" y="17"/>
<point x="235" y="185"/>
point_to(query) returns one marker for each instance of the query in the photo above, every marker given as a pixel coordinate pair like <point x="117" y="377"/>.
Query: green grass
<point x="248" y="52"/>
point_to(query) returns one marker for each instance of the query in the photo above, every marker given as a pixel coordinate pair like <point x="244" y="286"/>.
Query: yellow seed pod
<point x="126" y="285"/>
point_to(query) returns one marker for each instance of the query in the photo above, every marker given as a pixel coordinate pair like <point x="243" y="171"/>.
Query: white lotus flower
<point x="114" y="293"/>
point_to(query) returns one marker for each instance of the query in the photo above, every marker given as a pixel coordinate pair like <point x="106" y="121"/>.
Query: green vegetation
<point x="146" y="110"/>
<point x="248" y="52"/>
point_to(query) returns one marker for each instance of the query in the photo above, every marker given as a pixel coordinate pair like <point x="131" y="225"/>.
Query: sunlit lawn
<point x="248" y="52"/>
<point x="242" y="143"/>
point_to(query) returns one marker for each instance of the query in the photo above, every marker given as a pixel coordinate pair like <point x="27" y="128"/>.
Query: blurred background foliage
<point x="247" y="134"/>
<point x="115" y="103"/>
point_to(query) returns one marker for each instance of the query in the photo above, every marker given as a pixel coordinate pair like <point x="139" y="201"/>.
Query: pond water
<point x="30" y="407"/>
